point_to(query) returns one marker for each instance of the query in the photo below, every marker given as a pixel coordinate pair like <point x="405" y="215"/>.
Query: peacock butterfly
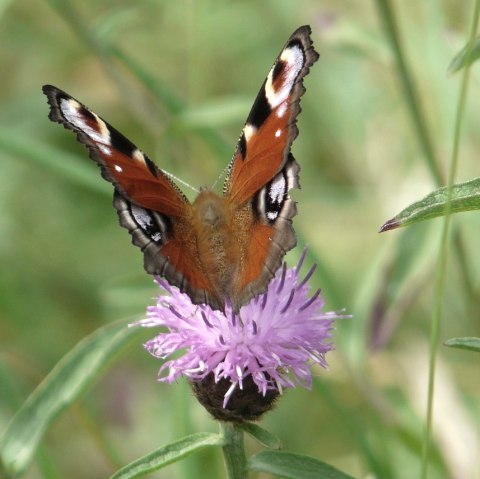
<point x="220" y="248"/>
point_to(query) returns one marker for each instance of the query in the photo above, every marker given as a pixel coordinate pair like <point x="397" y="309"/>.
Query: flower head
<point x="269" y="345"/>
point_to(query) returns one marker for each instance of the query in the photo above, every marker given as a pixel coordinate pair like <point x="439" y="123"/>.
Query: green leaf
<point x="293" y="466"/>
<point x="463" y="58"/>
<point x="168" y="454"/>
<point x="469" y="343"/>
<point x="67" y="380"/>
<point x="464" y="197"/>
<point x="264" y="437"/>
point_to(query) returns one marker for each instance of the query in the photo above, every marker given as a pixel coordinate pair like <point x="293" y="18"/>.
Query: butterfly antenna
<point x="223" y="173"/>
<point x="178" y="180"/>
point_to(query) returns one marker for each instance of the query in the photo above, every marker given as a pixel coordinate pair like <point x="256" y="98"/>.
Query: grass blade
<point x="68" y="379"/>
<point x="167" y="454"/>
<point x="69" y="166"/>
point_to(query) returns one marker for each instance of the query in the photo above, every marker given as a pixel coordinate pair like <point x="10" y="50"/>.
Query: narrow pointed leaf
<point x="293" y="466"/>
<point x="462" y="59"/>
<point x="464" y="197"/>
<point x="168" y="454"/>
<point x="264" y="437"/>
<point x="469" y="343"/>
<point x="67" y="380"/>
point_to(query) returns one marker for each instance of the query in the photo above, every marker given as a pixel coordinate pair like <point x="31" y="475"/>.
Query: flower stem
<point x="233" y="451"/>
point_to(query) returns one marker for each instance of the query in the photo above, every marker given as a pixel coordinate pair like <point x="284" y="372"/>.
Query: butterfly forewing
<point x="265" y="141"/>
<point x="216" y="249"/>
<point x="132" y="173"/>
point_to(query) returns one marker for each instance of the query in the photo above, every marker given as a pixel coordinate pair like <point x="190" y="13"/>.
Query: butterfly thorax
<point x="217" y="246"/>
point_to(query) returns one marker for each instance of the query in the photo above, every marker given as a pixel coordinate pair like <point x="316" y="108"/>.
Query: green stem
<point x="415" y="111"/>
<point x="442" y="255"/>
<point x="417" y="116"/>
<point x="388" y="19"/>
<point x="233" y="451"/>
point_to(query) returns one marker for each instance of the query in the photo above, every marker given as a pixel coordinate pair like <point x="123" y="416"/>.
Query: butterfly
<point x="220" y="248"/>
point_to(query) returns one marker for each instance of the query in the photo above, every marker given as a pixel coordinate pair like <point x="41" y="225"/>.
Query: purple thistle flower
<point x="270" y="344"/>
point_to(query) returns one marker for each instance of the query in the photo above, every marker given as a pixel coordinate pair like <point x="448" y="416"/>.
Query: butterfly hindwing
<point x="169" y="249"/>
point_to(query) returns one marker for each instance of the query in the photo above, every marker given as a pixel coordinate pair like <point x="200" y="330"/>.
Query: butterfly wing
<point x="148" y="203"/>
<point x="263" y="170"/>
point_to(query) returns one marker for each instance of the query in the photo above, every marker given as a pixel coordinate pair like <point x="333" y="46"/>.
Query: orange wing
<point x="132" y="173"/>
<point x="263" y="169"/>
<point x="148" y="203"/>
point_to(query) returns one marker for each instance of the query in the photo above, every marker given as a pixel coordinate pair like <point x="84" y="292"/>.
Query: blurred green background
<point x="178" y="78"/>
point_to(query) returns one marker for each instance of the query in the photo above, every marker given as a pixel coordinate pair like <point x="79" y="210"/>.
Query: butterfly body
<point x="218" y="248"/>
<point x="214" y="223"/>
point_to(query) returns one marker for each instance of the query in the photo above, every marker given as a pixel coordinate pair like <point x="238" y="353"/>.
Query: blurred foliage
<point x="178" y="78"/>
